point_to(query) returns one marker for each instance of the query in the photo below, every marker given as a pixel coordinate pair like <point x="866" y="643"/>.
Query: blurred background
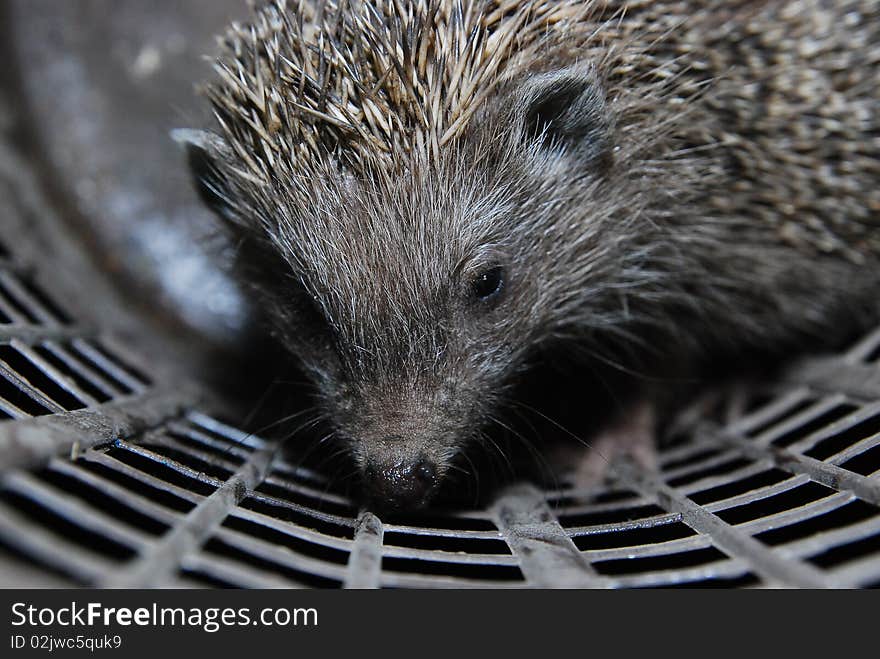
<point x="95" y="87"/>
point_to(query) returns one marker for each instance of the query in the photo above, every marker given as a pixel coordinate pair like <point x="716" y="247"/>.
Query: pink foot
<point x="631" y="436"/>
<point x="723" y="405"/>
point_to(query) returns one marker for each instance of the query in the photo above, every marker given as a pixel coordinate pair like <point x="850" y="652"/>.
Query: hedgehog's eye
<point x="488" y="283"/>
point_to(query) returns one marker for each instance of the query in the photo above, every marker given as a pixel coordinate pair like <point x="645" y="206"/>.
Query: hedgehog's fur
<point x="662" y="182"/>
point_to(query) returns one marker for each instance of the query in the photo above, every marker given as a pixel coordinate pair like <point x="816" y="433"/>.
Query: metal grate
<point x="112" y="474"/>
<point x="107" y="482"/>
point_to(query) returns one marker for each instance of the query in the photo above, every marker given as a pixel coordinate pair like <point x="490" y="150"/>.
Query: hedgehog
<point x="430" y="196"/>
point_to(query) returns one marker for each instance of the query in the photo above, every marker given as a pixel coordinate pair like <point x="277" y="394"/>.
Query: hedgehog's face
<point x="409" y="338"/>
<point x="412" y="297"/>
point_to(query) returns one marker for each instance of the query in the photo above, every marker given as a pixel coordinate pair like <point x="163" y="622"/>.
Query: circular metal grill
<point x="111" y="477"/>
<point x="113" y="471"/>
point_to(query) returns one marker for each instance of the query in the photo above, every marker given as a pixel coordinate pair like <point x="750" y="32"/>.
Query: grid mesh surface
<point x="108" y="482"/>
<point x="109" y="476"/>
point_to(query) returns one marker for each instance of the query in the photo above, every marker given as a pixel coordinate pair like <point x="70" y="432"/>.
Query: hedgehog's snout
<point x="401" y="485"/>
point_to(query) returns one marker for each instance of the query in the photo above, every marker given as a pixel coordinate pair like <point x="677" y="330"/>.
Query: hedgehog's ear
<point x="566" y="108"/>
<point x="205" y="152"/>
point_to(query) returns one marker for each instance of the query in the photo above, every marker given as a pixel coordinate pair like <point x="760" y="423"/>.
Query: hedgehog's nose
<point x="400" y="485"/>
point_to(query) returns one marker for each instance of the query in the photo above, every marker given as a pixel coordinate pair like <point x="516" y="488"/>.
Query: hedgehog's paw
<point x="632" y="436"/>
<point x="722" y="405"/>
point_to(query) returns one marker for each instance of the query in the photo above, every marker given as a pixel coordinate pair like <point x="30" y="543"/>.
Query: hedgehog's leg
<point x="632" y="435"/>
<point x="723" y="405"/>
